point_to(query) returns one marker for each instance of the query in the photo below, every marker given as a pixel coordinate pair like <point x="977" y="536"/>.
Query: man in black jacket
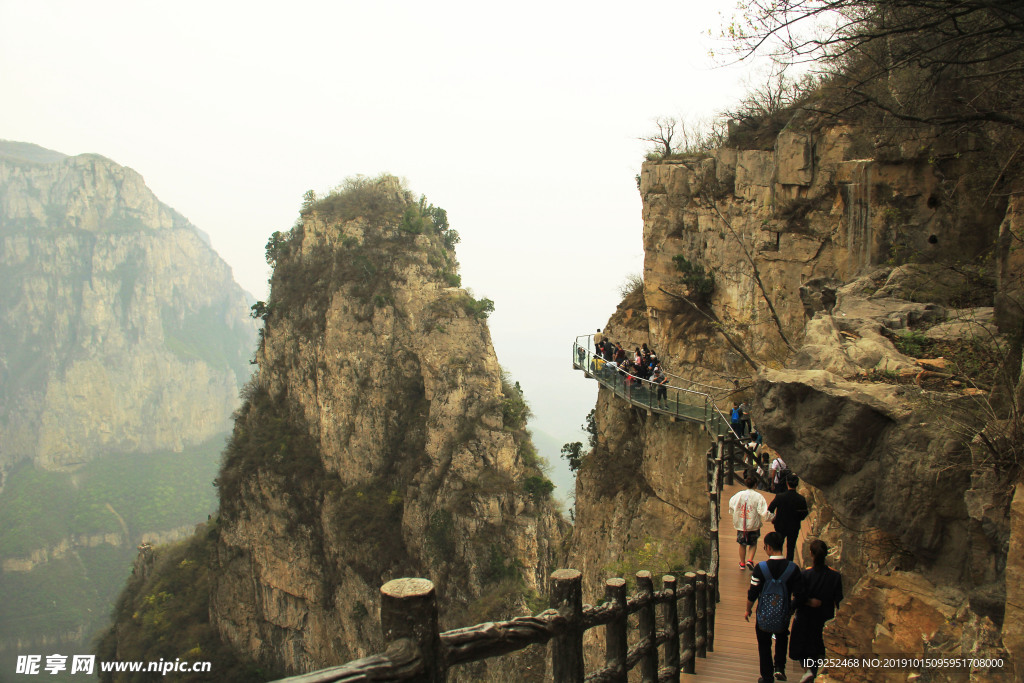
<point x="777" y="565"/>
<point x="790" y="509"/>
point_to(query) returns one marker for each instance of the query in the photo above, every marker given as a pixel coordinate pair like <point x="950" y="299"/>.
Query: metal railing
<point x="686" y="403"/>
<point x="719" y="391"/>
<point x="680" y="402"/>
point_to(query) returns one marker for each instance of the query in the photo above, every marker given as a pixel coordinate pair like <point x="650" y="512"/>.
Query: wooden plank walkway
<point x="735" y="657"/>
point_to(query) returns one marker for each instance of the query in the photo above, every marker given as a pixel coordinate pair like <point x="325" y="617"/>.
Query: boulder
<point x="966" y="323"/>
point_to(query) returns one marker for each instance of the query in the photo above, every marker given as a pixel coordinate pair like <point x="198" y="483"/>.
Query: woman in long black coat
<point x="823" y="590"/>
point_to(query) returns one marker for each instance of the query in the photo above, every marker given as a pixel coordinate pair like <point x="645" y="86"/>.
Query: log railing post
<point x="408" y="609"/>
<point x="567" y="648"/>
<point x="714" y="513"/>
<point x="689" y="623"/>
<point x="728" y="457"/>
<point x="701" y="595"/>
<point x="709" y="465"/>
<point x="648" y="627"/>
<point x="712" y="608"/>
<point x="670" y="616"/>
<point x="615" y="637"/>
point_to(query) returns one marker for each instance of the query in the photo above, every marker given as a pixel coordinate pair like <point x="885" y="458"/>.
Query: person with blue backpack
<point x="736" y="419"/>
<point x="776" y="585"/>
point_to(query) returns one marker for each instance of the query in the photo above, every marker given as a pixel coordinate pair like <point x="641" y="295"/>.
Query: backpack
<point x="734" y="416"/>
<point x="781" y="473"/>
<point x="773" y="603"/>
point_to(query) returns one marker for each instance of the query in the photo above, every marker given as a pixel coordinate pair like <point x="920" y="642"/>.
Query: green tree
<point x="308" y="200"/>
<point x="573" y="453"/>
<point x="539" y="488"/>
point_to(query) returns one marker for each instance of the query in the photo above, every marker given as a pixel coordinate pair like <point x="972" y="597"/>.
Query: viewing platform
<point x="693" y="402"/>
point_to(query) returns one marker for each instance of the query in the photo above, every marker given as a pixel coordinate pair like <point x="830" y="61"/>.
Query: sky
<point x="521" y="120"/>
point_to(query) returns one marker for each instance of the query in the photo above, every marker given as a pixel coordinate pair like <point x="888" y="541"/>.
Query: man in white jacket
<point x="749" y="512"/>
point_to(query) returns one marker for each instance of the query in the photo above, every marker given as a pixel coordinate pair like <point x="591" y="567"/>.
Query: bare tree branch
<point x="717" y="324"/>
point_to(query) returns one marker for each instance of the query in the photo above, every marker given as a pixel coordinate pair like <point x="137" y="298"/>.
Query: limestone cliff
<point x="810" y="278"/>
<point x="377" y="440"/>
<point x="123" y="330"/>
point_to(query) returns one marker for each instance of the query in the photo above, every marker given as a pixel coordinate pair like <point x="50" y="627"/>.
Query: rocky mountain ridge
<point x="126" y="341"/>
<point x="111" y="318"/>
<point x="378" y="439"/>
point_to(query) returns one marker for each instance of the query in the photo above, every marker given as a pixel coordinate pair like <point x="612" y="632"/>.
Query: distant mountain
<point x="125" y="342"/>
<point x="123" y="330"/>
<point x="26" y="151"/>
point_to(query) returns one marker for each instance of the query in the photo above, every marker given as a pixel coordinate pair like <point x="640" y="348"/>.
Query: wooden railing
<point x="417" y="651"/>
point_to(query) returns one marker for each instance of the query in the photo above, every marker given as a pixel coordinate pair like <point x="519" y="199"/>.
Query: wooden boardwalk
<point x="735" y="657"/>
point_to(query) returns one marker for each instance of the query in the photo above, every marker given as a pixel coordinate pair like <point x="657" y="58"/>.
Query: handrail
<point x="711" y="416"/>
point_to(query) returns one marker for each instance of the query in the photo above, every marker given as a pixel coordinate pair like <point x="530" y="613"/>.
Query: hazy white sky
<point x="521" y="120"/>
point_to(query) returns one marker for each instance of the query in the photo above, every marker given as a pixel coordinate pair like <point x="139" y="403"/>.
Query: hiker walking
<point x="749" y="512"/>
<point x="789" y="508"/>
<point x="776" y="585"/>
<point x="736" y="419"/>
<point x="823" y="591"/>
<point x="745" y="426"/>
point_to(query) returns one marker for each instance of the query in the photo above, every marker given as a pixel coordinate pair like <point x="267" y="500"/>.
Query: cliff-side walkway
<point x="693" y="402"/>
<point x="735" y="655"/>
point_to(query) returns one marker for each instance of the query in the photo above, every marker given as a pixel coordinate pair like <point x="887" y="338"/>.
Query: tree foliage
<point x="574" y="454"/>
<point x="515" y="411"/>
<point x="700" y="283"/>
<point x="538" y="488"/>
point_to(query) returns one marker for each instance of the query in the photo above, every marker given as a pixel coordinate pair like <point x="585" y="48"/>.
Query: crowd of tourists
<point x="792" y="605"/>
<point x="636" y="367"/>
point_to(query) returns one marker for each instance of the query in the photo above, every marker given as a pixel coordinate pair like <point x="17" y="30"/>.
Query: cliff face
<point x="123" y="331"/>
<point x="809" y="278"/>
<point x="378" y="439"/>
